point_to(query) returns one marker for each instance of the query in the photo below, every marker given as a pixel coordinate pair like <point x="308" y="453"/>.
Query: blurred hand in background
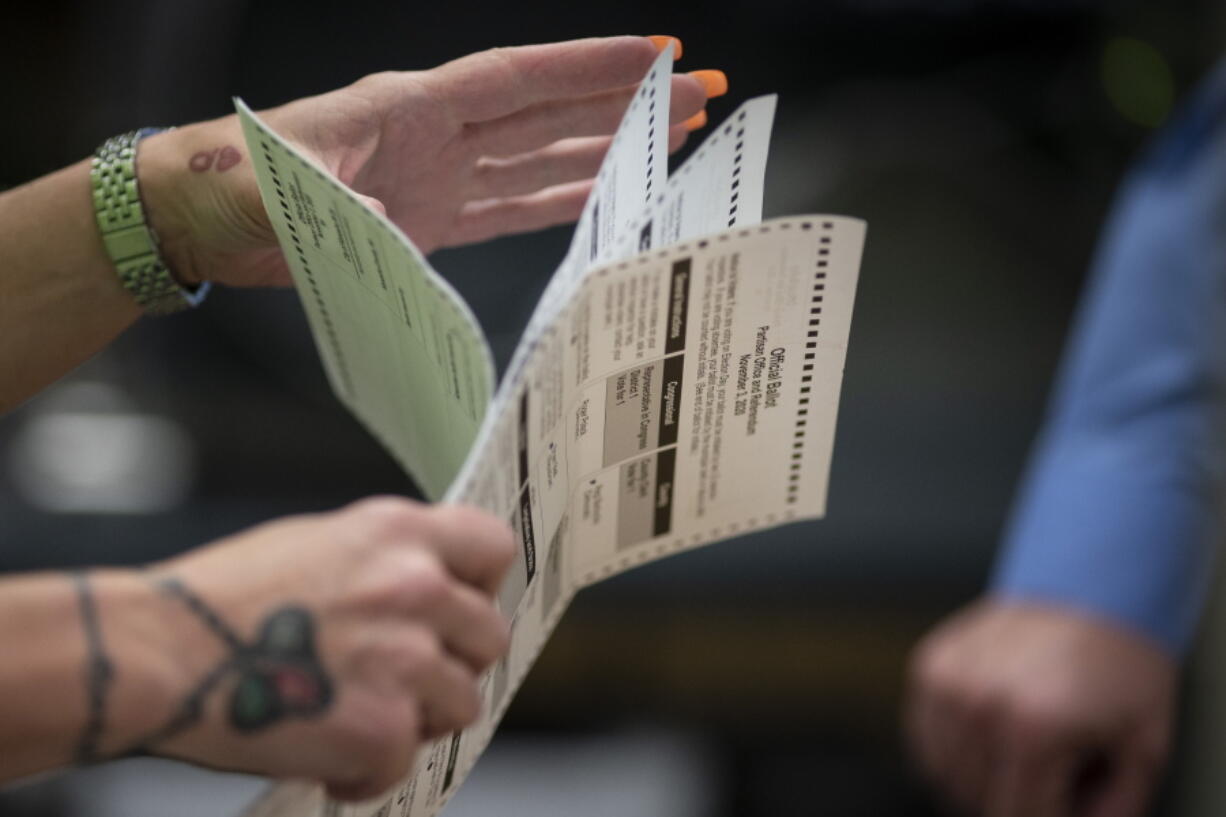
<point x="1055" y="696"/>
<point x="1020" y="710"/>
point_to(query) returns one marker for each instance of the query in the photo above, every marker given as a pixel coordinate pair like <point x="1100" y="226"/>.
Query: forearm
<point x="85" y="650"/>
<point x="1120" y="515"/>
<point x="61" y="300"/>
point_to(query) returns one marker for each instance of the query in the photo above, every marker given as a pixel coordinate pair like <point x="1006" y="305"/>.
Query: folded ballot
<point x="677" y="384"/>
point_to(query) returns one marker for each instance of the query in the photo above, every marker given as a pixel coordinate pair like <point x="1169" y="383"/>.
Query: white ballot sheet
<point x="720" y="186"/>
<point x="630" y="174"/>
<point x="677" y="385"/>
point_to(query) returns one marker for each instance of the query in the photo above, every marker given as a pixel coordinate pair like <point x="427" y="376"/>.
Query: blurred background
<point x="981" y="140"/>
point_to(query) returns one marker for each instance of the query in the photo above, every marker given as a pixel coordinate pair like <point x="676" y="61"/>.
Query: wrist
<point x="202" y="200"/>
<point x="154" y="653"/>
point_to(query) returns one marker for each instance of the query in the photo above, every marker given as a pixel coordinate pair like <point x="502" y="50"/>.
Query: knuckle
<point x="425" y="583"/>
<point x="493" y="645"/>
<point x="407" y="657"/>
<point x="366" y="738"/>
<point x="501" y="59"/>
<point x="932" y="670"/>
<point x="461" y="519"/>
<point x="397" y="761"/>
<point x="377" y="656"/>
<point x="491" y="535"/>
<point x="420" y="652"/>
<point x="502" y="547"/>
<point x="943" y="680"/>
<point x="379" y="504"/>
<point x="1032" y="721"/>
<point x="377" y="80"/>
<point x="500" y="643"/>
<point x="391" y="758"/>
<point x="387" y="516"/>
<point x="501" y="626"/>
<point x="383" y="742"/>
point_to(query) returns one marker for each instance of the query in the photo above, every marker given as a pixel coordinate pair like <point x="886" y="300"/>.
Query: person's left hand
<point x="498" y="142"/>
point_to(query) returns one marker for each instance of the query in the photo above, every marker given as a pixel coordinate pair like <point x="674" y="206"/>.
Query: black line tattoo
<point x="279" y="674"/>
<point x="175" y="589"/>
<point x="99" y="673"/>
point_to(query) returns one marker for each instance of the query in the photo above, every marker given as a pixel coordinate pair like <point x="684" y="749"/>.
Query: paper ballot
<point x="677" y="384"/>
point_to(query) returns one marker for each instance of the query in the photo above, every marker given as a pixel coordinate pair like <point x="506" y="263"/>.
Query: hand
<point x="326" y="647"/>
<point x="498" y="142"/>
<point x="1018" y="709"/>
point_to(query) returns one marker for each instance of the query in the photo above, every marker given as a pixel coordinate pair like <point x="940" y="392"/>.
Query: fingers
<point x="447" y="691"/>
<point x="698" y="120"/>
<point x="407" y="659"/>
<point x="442" y="696"/>
<point x="465" y="620"/>
<point x="1031" y="778"/>
<point x="990" y="751"/>
<point x="499" y="82"/>
<point x="483" y="220"/>
<point x="935" y="723"/>
<point x="677" y="134"/>
<point x="949" y="749"/>
<point x="1026" y="710"/>
<point x="970" y="753"/>
<point x="936" y="741"/>
<point x="1126" y="789"/>
<point x="439" y="566"/>
<point x="475" y="546"/>
<point x="373" y="750"/>
<point x="994" y="769"/>
<point x="592" y="115"/>
<point x="471" y="544"/>
<point x="470" y="627"/>
<point x="567" y="160"/>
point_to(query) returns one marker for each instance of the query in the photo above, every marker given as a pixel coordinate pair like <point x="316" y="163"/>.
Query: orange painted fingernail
<point x="661" y="42"/>
<point x="714" y="82"/>
<point x="696" y="121"/>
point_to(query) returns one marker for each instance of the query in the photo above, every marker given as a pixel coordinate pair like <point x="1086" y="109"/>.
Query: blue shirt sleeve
<point x="1116" y="516"/>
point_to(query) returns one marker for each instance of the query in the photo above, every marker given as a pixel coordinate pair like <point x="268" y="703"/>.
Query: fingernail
<point x="715" y="82"/>
<point x="661" y="42"/>
<point x="696" y="121"/>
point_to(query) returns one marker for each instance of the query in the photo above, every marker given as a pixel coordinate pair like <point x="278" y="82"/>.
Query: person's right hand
<point x="1021" y="710"/>
<point x="360" y="634"/>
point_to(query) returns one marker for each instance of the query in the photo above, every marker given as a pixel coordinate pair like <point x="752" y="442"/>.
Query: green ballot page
<point x="401" y="349"/>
